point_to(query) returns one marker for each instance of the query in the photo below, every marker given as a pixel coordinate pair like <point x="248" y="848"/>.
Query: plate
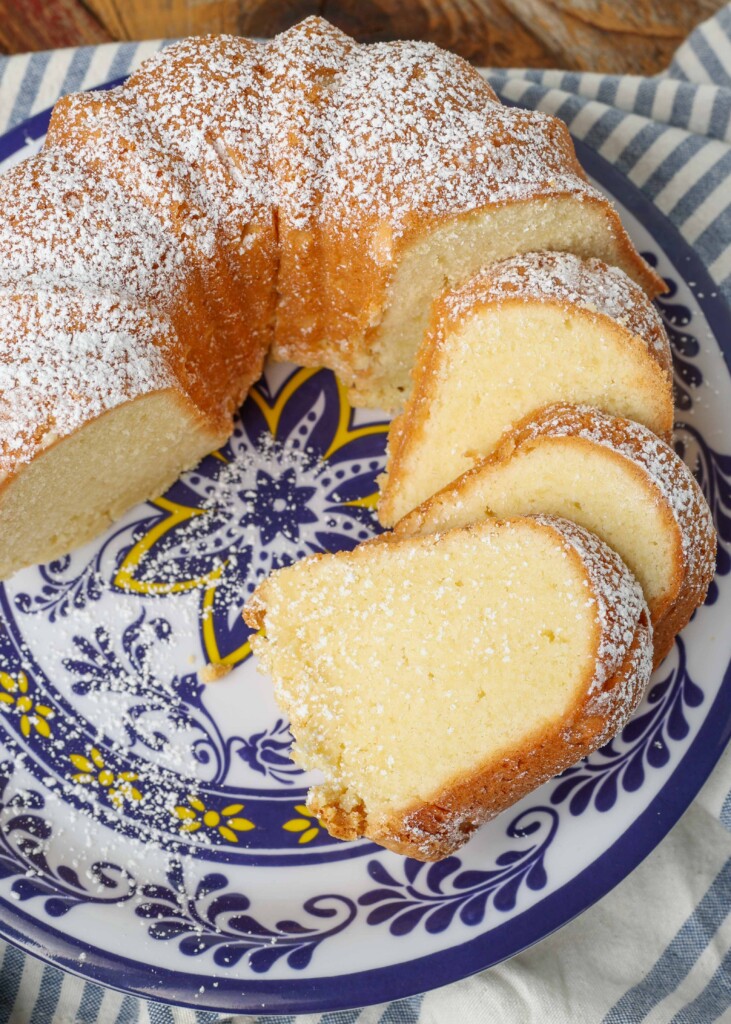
<point x="153" y="832"/>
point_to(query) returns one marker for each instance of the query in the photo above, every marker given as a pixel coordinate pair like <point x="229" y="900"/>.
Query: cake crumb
<point x="213" y="671"/>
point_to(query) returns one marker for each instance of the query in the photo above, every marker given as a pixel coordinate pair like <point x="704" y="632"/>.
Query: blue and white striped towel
<point x="617" y="963"/>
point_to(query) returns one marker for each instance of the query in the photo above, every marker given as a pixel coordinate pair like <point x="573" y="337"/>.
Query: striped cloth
<point x="658" y="948"/>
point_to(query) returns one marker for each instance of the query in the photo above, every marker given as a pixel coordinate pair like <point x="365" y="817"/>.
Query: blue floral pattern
<point x="227" y="525"/>
<point x="98" y="668"/>
<point x="65" y="587"/>
<point x="431" y="895"/>
<point x="713" y="471"/>
<point x="298" y="476"/>
<point x="267" y="752"/>
<point x="644" y="743"/>
<point x="216" y="919"/>
<point x="24" y="840"/>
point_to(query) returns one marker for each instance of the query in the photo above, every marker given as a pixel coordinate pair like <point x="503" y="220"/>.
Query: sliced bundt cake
<point x="612" y="476"/>
<point x="527" y="332"/>
<point x="308" y="193"/>
<point x="398" y="172"/>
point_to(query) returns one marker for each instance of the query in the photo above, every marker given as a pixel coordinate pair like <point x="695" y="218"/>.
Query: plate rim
<point x="468" y="957"/>
<point x="424" y="973"/>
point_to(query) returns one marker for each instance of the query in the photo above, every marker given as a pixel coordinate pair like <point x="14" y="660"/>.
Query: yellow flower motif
<point x="14" y="696"/>
<point x="226" y="821"/>
<point x="303" y="825"/>
<point x="94" y="772"/>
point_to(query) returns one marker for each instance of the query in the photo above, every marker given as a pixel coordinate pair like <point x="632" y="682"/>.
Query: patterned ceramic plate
<point x="153" y="833"/>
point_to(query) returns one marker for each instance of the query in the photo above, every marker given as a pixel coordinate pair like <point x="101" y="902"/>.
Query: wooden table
<point x="621" y="36"/>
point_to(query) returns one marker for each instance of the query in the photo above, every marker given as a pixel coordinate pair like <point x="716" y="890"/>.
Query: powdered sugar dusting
<point x="667" y="471"/>
<point x="66" y="357"/>
<point x="330" y="129"/>
<point x="64" y="225"/>
<point x="206" y="101"/>
<point x="572" y="282"/>
<point x="400" y="129"/>
<point x="158" y="192"/>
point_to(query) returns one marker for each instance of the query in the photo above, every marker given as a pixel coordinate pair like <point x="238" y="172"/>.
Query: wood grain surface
<point x="621" y="36"/>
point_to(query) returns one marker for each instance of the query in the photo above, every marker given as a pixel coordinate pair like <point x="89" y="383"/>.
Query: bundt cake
<point x="613" y="477"/>
<point x="434" y="680"/>
<point x="307" y="193"/>
<point x="535" y="329"/>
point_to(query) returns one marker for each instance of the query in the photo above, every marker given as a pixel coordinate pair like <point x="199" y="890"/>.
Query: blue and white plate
<point x="153" y="832"/>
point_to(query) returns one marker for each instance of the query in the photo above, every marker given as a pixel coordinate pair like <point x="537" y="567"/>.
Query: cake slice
<point x="520" y="335"/>
<point x="99" y="412"/>
<point x="436" y="680"/>
<point x="612" y="476"/>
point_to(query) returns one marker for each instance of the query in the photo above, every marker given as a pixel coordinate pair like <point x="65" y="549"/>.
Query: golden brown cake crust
<point x="669" y="484"/>
<point x="374" y="147"/>
<point x="210" y="190"/>
<point x="585" y="287"/>
<point x="610" y="693"/>
<point x="433" y="830"/>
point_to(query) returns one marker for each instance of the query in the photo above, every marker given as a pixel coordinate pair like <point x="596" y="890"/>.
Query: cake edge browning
<point x="431" y="830"/>
<point x="175" y="199"/>
<point x="435" y="829"/>
<point x="663" y="474"/>
<point x="497" y="286"/>
<point x="693" y="519"/>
